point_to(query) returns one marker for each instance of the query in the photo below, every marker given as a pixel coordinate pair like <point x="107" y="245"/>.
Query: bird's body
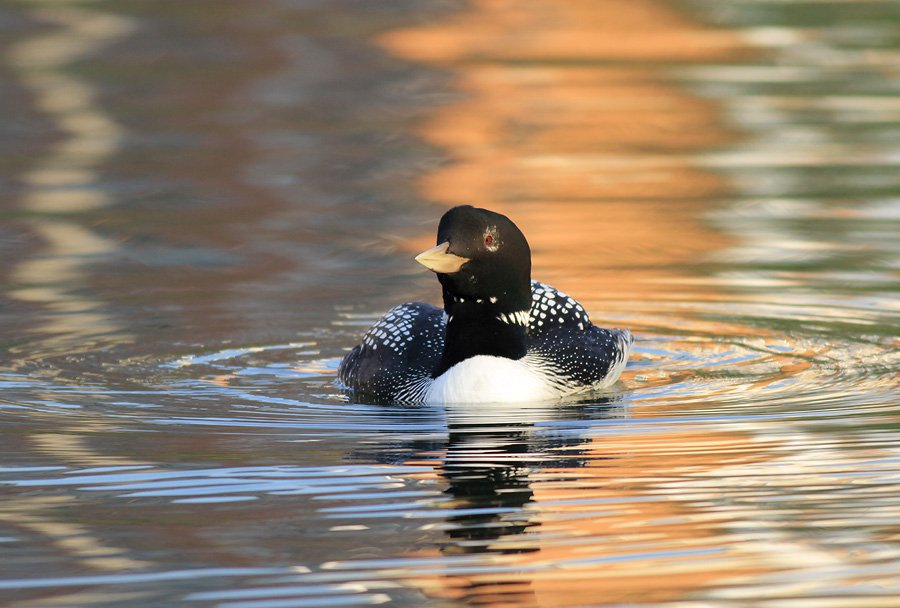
<point x="500" y="337"/>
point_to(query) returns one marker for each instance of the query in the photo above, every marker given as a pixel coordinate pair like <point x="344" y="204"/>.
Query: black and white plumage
<point x="501" y="337"/>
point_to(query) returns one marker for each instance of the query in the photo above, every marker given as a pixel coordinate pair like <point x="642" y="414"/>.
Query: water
<point x="204" y="208"/>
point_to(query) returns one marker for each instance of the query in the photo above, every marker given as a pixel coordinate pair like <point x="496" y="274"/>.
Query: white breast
<point x="488" y="379"/>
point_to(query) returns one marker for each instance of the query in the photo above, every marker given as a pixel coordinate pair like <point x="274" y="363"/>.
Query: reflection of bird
<point x="500" y="338"/>
<point x="487" y="468"/>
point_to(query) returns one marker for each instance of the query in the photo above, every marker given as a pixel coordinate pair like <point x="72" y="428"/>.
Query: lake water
<point x="205" y="204"/>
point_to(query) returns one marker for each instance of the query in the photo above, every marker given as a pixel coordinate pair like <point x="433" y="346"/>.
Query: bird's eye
<point x="488" y="240"/>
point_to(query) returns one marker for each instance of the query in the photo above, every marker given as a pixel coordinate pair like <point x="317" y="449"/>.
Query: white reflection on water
<point x="65" y="179"/>
<point x="228" y="484"/>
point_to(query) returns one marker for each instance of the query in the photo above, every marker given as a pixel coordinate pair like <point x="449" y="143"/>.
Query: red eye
<point x="488" y="240"/>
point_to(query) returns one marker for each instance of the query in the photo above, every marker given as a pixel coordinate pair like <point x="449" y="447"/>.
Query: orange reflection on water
<point x="617" y="529"/>
<point x="569" y="125"/>
<point x="634" y="528"/>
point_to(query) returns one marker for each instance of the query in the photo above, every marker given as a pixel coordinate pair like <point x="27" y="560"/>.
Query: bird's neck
<point x="479" y="326"/>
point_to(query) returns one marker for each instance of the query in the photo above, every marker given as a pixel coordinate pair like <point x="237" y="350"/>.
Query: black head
<point x="484" y="265"/>
<point x="482" y="255"/>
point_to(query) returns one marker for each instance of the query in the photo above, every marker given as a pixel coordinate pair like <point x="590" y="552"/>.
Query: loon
<point x="501" y="337"/>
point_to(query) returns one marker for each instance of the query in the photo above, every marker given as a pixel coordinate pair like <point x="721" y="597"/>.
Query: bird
<point x="501" y="337"/>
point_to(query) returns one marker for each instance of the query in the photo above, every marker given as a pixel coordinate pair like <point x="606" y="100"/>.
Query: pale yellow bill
<point x="439" y="259"/>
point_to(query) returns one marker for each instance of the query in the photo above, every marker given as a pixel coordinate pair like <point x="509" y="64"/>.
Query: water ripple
<point x="229" y="484"/>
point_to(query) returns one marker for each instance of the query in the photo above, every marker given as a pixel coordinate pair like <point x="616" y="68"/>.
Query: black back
<point x="398" y="354"/>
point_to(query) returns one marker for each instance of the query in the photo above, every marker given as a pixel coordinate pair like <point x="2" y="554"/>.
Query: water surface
<point x="204" y="209"/>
